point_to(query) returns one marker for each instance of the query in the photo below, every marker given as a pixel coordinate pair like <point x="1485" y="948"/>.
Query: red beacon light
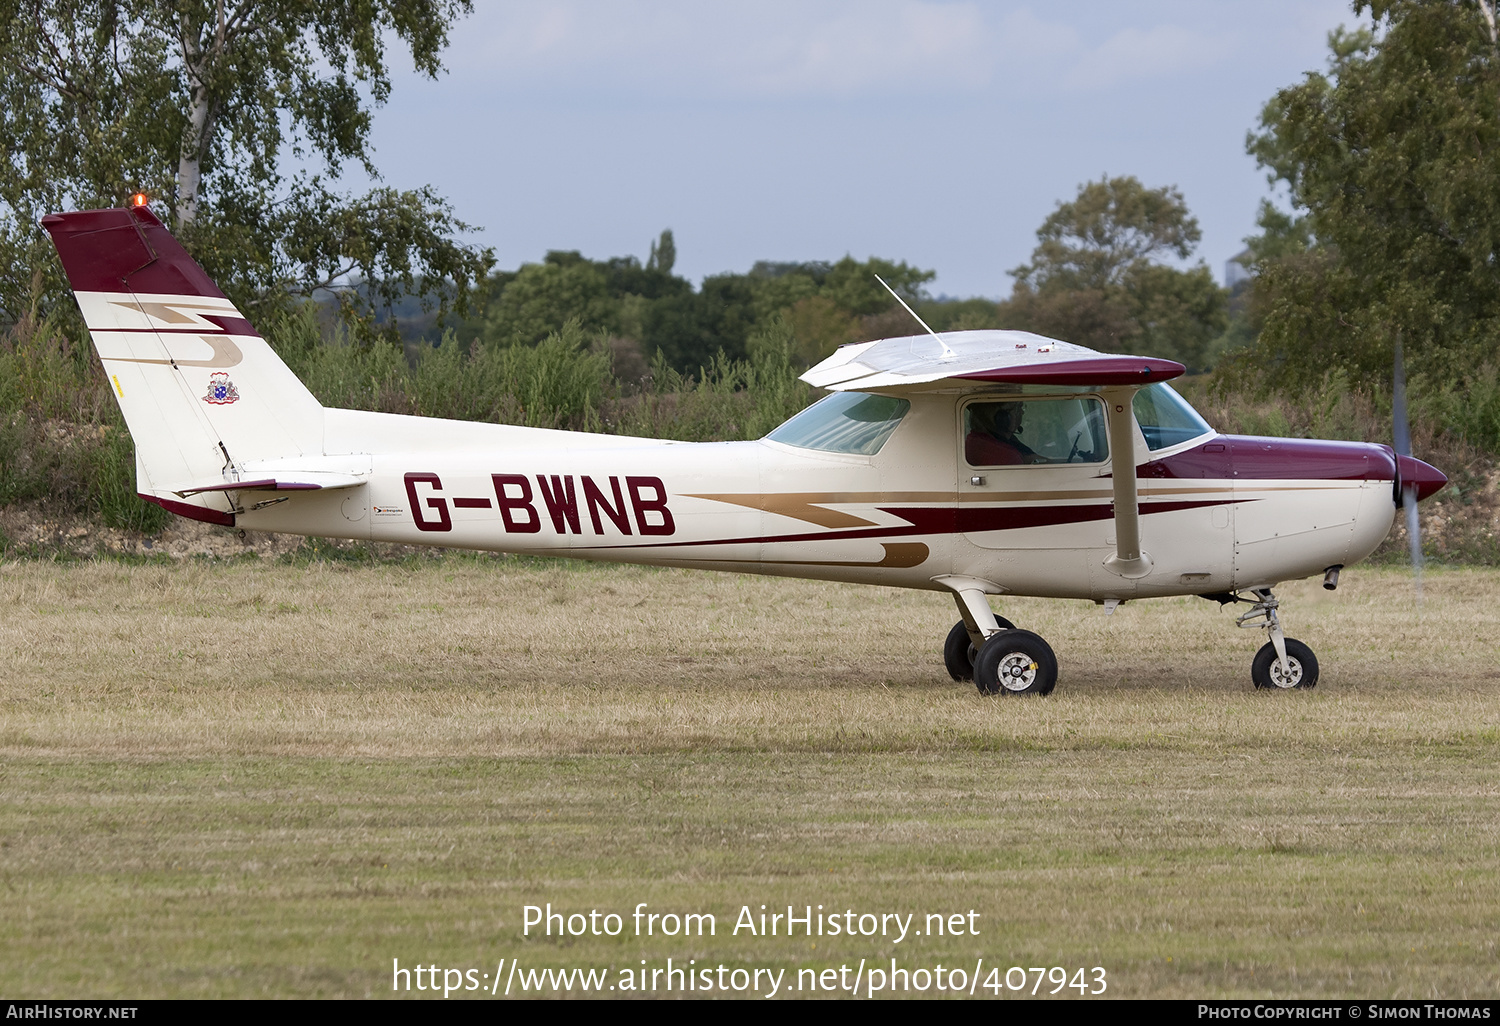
<point x="140" y="199"/>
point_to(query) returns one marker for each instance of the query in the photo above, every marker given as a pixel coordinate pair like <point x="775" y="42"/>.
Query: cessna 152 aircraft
<point x="977" y="463"/>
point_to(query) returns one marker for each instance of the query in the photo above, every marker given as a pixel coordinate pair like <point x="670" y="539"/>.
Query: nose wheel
<point x="1299" y="671"/>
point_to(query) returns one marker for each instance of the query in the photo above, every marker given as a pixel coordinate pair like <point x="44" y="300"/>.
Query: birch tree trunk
<point x="197" y="61"/>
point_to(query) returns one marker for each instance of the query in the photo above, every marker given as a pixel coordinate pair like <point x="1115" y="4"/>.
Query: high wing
<point x="976" y="359"/>
<point x="973" y="358"/>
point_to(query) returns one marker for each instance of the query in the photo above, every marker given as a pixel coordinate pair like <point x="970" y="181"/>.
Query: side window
<point x="1166" y="418"/>
<point x="1014" y="432"/>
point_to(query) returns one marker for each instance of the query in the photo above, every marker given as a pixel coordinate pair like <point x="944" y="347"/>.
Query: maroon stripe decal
<point x="228" y="325"/>
<point x="1108" y="370"/>
<point x="472" y="503"/>
<point x="232" y="325"/>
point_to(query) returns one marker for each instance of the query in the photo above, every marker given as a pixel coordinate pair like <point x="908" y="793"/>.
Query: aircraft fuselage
<point x="1220" y="513"/>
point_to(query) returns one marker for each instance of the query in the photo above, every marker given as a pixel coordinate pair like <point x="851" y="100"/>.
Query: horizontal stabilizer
<point x="280" y="483"/>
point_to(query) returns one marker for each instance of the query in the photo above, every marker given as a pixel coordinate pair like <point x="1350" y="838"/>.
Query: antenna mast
<point x="948" y="353"/>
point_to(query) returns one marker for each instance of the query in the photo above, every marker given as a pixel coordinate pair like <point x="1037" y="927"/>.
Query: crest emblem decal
<point x="221" y="391"/>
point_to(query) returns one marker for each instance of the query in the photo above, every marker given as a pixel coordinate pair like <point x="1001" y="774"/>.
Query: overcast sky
<point x="940" y="133"/>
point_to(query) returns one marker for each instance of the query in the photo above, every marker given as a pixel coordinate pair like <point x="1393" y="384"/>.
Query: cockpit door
<point x="1031" y="472"/>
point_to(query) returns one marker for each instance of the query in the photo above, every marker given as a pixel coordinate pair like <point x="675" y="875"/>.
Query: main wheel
<point x="1015" y="662"/>
<point x="1303" y="665"/>
<point x="958" y="650"/>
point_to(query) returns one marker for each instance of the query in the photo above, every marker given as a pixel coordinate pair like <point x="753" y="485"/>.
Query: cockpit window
<point x="1013" y="431"/>
<point x="850" y="422"/>
<point x="1166" y="418"/>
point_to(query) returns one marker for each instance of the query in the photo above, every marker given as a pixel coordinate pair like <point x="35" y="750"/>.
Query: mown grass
<point x="249" y="779"/>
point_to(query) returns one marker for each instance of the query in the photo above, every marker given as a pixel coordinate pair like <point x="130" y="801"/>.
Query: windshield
<point x="1166" y="418"/>
<point x="851" y="422"/>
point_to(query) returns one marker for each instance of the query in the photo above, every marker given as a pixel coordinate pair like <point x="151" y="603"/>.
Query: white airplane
<point x="977" y="463"/>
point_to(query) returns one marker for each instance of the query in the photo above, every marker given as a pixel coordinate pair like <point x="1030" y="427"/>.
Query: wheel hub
<point x="1017" y="671"/>
<point x="1288" y="678"/>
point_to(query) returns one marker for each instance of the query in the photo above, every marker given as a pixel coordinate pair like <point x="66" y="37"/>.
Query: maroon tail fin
<point x="125" y="249"/>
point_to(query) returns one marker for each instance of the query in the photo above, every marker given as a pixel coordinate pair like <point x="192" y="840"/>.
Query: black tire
<point x="958" y="650"/>
<point x="1015" y="662"/>
<point x="1265" y="671"/>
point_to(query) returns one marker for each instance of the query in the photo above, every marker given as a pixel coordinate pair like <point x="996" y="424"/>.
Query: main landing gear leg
<point x="968" y="635"/>
<point x="1282" y="662"/>
<point x="990" y="650"/>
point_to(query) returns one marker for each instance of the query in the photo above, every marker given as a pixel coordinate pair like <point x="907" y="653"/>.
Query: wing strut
<point x="1128" y="561"/>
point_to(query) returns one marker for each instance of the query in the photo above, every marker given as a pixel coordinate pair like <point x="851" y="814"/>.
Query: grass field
<point x="249" y="779"/>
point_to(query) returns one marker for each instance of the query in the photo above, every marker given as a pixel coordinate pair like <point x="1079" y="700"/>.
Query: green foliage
<point x="114" y="497"/>
<point x="1112" y="227"/>
<point x="61" y="440"/>
<point x="961" y="314"/>
<point x="1175" y="314"/>
<point x="730" y="399"/>
<point x="543" y="297"/>
<point x="559" y="383"/>
<point x="1468" y="408"/>
<point x="400" y="244"/>
<point x="1094" y="278"/>
<point x="852" y="285"/>
<point x="819" y="326"/>
<point x="1391" y="161"/>
<point x="565" y="381"/>
<point x="197" y="104"/>
<point x="663" y="253"/>
<point x="1097" y="318"/>
<point x="825" y="304"/>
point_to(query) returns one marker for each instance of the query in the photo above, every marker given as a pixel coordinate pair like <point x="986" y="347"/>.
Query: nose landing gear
<point x="1301" y="670"/>
<point x="1282" y="663"/>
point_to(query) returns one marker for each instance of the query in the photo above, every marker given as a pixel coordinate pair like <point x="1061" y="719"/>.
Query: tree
<point x="1113" y="227"/>
<point x="852" y="285"/>
<point x="1391" y="161"/>
<point x="823" y="304"/>
<point x="197" y="103"/>
<point x="663" y="253"/>
<point x="543" y="297"/>
<point x="818" y="326"/>
<point x="1095" y="276"/>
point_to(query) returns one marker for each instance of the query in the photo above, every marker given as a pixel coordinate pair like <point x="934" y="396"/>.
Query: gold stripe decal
<point x="811" y="507"/>
<point x="898" y="556"/>
<point x="805" y="506"/>
<point x="226" y="354"/>
<point x="180" y="311"/>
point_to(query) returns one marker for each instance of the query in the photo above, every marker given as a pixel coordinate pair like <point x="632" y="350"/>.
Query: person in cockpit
<point x="993" y="439"/>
